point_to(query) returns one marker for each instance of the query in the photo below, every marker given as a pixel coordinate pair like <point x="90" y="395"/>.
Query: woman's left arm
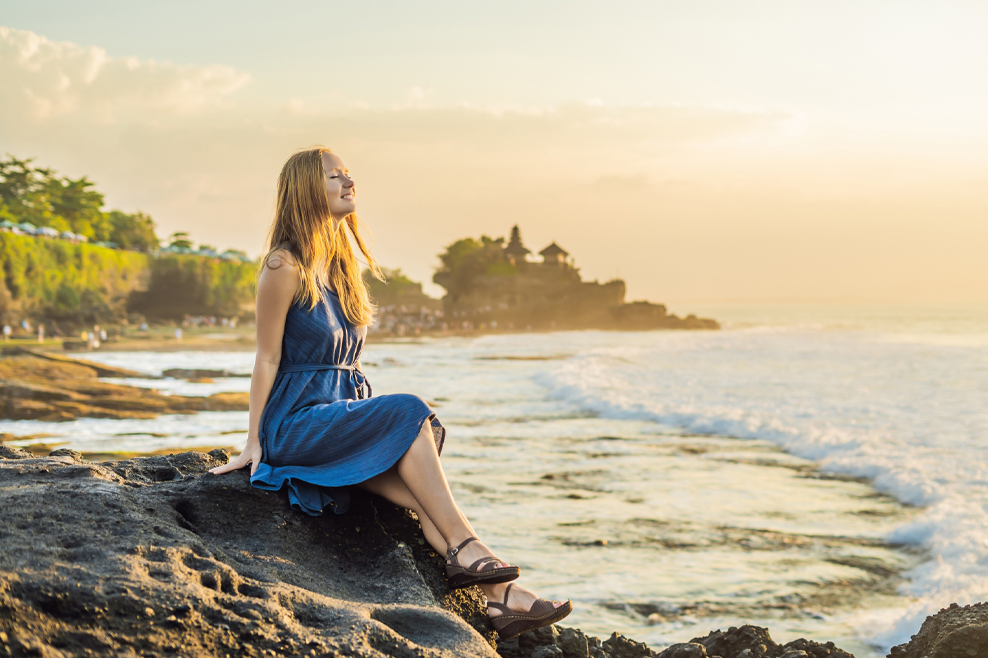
<point x="275" y="292"/>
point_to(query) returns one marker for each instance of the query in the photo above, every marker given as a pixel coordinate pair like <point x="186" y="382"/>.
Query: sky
<point x="736" y="151"/>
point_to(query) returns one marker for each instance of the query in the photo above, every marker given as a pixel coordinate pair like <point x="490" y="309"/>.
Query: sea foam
<point x="909" y="415"/>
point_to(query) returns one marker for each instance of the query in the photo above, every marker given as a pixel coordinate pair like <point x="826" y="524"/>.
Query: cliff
<point x="55" y="280"/>
<point x="68" y="283"/>
<point x="155" y="557"/>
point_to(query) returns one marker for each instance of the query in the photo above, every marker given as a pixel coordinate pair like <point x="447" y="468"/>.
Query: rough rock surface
<point x="102" y="370"/>
<point x="954" y="632"/>
<point x="153" y="557"/>
<point x="200" y="373"/>
<point x="147" y="557"/>
<point x="49" y="389"/>
<point x="743" y="642"/>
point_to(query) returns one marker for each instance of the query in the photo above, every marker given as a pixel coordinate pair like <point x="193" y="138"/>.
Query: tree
<point x="183" y="285"/>
<point x="76" y="204"/>
<point x="132" y="231"/>
<point x="467" y="259"/>
<point x="21" y="191"/>
<point x="179" y="240"/>
<point x="39" y="196"/>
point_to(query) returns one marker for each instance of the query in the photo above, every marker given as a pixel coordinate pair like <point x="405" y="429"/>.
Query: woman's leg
<point x="420" y="470"/>
<point x="423" y="475"/>
<point x="389" y="485"/>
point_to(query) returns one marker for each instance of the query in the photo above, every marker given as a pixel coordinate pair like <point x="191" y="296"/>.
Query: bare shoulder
<point x="280" y="271"/>
<point x="281" y="259"/>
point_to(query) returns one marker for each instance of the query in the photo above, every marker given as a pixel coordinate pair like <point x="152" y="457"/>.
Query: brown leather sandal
<point x="511" y="623"/>
<point x="481" y="571"/>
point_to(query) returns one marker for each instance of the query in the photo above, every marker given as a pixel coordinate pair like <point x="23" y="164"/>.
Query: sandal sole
<point x="560" y="614"/>
<point x="461" y="580"/>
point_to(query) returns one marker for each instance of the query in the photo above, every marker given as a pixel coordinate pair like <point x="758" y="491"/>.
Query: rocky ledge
<point x="44" y="387"/>
<point x="154" y="557"/>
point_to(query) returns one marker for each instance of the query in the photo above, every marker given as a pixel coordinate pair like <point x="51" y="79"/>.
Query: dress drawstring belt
<point x="359" y="378"/>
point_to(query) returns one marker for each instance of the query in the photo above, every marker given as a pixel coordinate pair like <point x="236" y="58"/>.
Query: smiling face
<point x="339" y="187"/>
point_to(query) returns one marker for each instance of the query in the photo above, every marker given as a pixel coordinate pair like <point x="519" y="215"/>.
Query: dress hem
<point x="282" y="475"/>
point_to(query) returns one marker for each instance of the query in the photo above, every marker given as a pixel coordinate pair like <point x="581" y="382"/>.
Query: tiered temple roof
<point x="516" y="252"/>
<point x="553" y="254"/>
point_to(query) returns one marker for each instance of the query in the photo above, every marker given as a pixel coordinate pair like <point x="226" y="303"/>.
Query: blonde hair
<point x="304" y="226"/>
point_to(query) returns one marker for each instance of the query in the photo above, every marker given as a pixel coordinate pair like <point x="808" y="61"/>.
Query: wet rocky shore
<point x="154" y="557"/>
<point x="45" y="387"/>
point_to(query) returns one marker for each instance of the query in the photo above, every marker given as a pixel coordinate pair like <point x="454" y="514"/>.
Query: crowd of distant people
<point x="392" y="320"/>
<point x="209" y="321"/>
<point x="96" y="336"/>
<point x="93" y="337"/>
<point x="402" y="320"/>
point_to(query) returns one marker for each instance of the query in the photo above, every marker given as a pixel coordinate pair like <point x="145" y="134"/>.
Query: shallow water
<point x="641" y="474"/>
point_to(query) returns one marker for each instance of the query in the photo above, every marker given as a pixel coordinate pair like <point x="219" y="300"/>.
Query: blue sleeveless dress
<point x="321" y="430"/>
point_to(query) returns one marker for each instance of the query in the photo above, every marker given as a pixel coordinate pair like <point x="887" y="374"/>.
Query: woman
<point x="314" y="426"/>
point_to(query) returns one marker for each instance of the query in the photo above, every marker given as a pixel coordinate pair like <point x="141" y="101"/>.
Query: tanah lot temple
<point x="496" y="284"/>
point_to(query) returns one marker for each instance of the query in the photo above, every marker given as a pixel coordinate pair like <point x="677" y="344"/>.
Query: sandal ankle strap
<point x="451" y="552"/>
<point x="503" y="606"/>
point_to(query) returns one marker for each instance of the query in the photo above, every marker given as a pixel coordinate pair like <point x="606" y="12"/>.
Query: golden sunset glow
<point x="763" y="151"/>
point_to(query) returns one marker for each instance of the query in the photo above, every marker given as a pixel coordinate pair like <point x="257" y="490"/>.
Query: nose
<point x="347" y="181"/>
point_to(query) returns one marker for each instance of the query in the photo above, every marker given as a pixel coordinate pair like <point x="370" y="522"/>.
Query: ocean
<point x="820" y="470"/>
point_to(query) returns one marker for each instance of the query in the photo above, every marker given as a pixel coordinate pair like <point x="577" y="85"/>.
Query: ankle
<point x="456" y="541"/>
<point x="494" y="591"/>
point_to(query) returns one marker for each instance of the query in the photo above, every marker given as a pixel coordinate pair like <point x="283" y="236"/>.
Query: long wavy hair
<point x="303" y="225"/>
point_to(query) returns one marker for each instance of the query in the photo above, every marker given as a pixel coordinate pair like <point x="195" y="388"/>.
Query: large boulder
<point x="954" y="632"/>
<point x="153" y="557"/>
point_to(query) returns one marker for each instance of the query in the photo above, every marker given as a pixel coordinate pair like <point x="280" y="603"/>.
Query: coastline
<point x="240" y="339"/>
<point x="866" y="581"/>
<point x="510" y="355"/>
<point x="159" y="564"/>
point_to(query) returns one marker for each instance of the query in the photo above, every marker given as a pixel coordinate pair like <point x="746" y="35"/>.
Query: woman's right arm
<point x="276" y="289"/>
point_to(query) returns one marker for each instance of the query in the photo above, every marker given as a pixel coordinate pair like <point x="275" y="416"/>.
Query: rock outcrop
<point x="149" y="557"/>
<point x="954" y="632"/>
<point x="154" y="557"/>
<point x="743" y="642"/>
<point x="33" y="387"/>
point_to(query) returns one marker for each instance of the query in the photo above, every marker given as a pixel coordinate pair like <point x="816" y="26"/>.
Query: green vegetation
<point x="383" y="292"/>
<point x="62" y="277"/>
<point x="397" y="290"/>
<point x="179" y="240"/>
<point x="183" y="285"/>
<point x="38" y="196"/>
<point x="71" y="283"/>
<point x="66" y="281"/>
<point x="467" y="260"/>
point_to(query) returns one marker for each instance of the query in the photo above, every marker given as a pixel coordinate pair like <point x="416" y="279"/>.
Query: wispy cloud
<point x="749" y="202"/>
<point x="43" y="79"/>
